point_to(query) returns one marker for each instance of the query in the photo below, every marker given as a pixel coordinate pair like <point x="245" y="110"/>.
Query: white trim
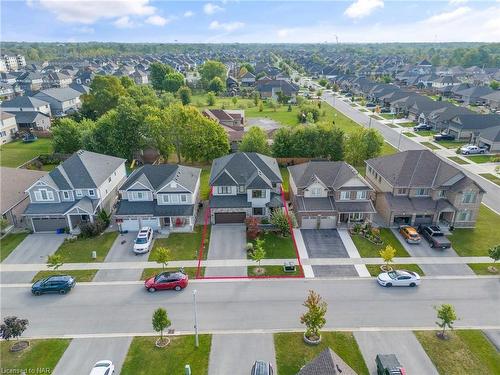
<point x="182" y="186"/>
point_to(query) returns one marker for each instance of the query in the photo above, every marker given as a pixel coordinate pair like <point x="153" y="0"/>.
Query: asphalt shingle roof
<point x="157" y="176"/>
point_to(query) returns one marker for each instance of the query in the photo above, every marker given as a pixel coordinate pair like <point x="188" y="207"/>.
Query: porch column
<point x="91" y="217"/>
<point x="68" y="217"/>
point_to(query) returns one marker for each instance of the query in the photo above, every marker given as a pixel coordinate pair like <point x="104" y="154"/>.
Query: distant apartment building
<point x="12" y="63"/>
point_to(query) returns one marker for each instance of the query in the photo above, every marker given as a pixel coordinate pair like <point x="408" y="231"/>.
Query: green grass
<point x="388" y="116"/>
<point x="458" y="160"/>
<point x="9" y="243"/>
<point x="426" y="133"/>
<point x="466" y="352"/>
<point x="374" y="269"/>
<point x="80" y="250"/>
<point x="406" y="124"/>
<point x="79" y="275"/>
<point x="292" y="353"/>
<point x="491" y="177"/>
<point x="285" y="175"/>
<point x="369" y="250"/>
<point x="483" y="158"/>
<point x="409" y="134"/>
<point x="451" y="144"/>
<point x="277" y="247"/>
<point x="430" y="145"/>
<point x="392" y="126"/>
<point x="183" y="246"/>
<point x="204" y="185"/>
<point x="273" y="271"/>
<point x="190" y="271"/>
<point x="41" y="354"/>
<point x="477" y="241"/>
<point x="144" y="358"/>
<point x="16" y="153"/>
<point x="387" y="149"/>
<point x="48" y="167"/>
<point x="482" y="268"/>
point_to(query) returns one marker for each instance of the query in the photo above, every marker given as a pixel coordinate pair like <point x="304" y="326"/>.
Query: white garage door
<point x="131" y="225"/>
<point x="309" y="222"/>
<point x="327" y="222"/>
<point x="151" y="222"/>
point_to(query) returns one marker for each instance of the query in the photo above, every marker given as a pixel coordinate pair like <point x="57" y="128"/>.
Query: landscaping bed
<point x="79" y="275"/>
<point x="190" y="271"/>
<point x="80" y="249"/>
<point x="430" y="145"/>
<point x="374" y="269"/>
<point x="292" y="353"/>
<point x="272" y="271"/>
<point x="183" y="246"/>
<point x="16" y="153"/>
<point x="466" y="352"/>
<point x="9" y="243"/>
<point x="368" y="249"/>
<point x="491" y="177"/>
<point x="458" y="160"/>
<point x="144" y="358"/>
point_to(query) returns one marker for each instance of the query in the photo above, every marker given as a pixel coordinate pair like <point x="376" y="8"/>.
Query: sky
<point x="245" y="21"/>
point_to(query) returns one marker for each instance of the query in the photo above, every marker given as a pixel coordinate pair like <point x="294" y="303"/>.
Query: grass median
<point x="272" y="271"/>
<point x="190" y="271"/>
<point x="79" y="275"/>
<point x="375" y="270"/>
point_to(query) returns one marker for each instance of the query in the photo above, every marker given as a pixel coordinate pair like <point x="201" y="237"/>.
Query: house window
<point x="258" y="211"/>
<point x="401" y="191"/>
<point x="242" y="188"/>
<point x="344" y="195"/>
<point x="316" y="192"/>
<point x="44" y="195"/>
<point x="421" y="192"/>
<point x="469" y="197"/>
<point x="78" y="193"/>
<point x="258" y="193"/>
<point x="356" y="216"/>
<point x="139" y="196"/>
<point x="441" y="194"/>
<point x="183" y="198"/>
<point x="223" y="190"/>
<point x="66" y="194"/>
<point x="361" y="194"/>
<point x="165" y="198"/>
<point x="464" y="216"/>
<point x="91" y="193"/>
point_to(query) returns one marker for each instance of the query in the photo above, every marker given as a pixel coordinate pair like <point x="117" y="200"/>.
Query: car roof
<point x="175" y="273"/>
<point x="58" y="278"/>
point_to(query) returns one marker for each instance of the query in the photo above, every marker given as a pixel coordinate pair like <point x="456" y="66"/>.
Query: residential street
<point x="126" y="308"/>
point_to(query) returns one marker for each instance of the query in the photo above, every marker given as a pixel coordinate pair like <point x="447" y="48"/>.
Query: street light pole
<point x="399" y="141"/>
<point x="197" y="343"/>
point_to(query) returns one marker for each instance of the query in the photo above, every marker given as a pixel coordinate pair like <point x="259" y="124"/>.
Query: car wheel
<point x="412" y="284"/>
<point x="388" y="285"/>
<point x="466" y="152"/>
<point x="481" y="152"/>
<point x="152" y="290"/>
<point x="62" y="291"/>
<point x="177" y="288"/>
<point x="37" y="293"/>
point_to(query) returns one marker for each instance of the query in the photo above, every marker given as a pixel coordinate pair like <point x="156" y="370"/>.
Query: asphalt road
<point x="252" y="305"/>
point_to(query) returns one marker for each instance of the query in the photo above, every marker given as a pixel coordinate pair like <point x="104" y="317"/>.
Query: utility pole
<point x="399" y="141"/>
<point x="197" y="343"/>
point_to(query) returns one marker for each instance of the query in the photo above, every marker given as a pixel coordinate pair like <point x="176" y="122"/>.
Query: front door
<point x="166" y="221"/>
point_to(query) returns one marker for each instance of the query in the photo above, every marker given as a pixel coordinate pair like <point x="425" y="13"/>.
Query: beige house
<point x="417" y="187"/>
<point x="8" y="127"/>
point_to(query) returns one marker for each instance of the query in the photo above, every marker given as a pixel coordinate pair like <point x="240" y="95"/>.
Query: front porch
<point x="177" y="224"/>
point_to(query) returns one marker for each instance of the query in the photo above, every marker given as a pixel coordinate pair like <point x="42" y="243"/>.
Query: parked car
<point x="398" y="278"/>
<point x="444" y="137"/>
<point x="434" y="236"/>
<point x="388" y="364"/>
<point x="410" y="234"/>
<point x="61" y="284"/>
<point x="262" y="368"/>
<point x="104" y="367"/>
<point x="167" y="280"/>
<point x="472" y="149"/>
<point x="370" y="105"/>
<point x="144" y="240"/>
<point x="422" y="127"/>
<point x="385" y="110"/>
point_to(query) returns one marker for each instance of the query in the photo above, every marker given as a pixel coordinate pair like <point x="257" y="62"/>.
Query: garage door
<point x="230" y="217"/>
<point x="327" y="222"/>
<point x="131" y="225"/>
<point x="309" y="222"/>
<point x="423" y="219"/>
<point x="41" y="224"/>
<point x="402" y="220"/>
<point x="152" y="222"/>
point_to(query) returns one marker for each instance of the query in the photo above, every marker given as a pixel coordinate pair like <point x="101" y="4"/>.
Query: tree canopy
<point x="255" y="140"/>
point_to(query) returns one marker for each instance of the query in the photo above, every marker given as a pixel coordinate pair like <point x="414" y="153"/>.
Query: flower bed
<point x="367" y="232"/>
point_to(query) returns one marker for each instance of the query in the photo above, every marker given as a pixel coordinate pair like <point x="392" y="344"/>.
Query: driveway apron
<point x="227" y="241"/>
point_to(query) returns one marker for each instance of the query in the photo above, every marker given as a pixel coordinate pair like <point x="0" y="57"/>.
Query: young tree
<point x="280" y="221"/>
<point x="258" y="253"/>
<point x="323" y="82"/>
<point x="447" y="315"/>
<point x="216" y="85"/>
<point x="314" y="317"/>
<point x="256" y="98"/>
<point x="494" y="254"/>
<point x="184" y="94"/>
<point x="13" y="327"/>
<point x="261" y="106"/>
<point x="387" y="255"/>
<point x="234" y="99"/>
<point x="55" y="261"/>
<point x="162" y="255"/>
<point x="211" y="99"/>
<point x="160" y="321"/>
<point x="255" y="140"/>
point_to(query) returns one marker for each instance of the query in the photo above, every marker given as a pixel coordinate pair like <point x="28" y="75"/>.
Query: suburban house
<point x="469" y="126"/>
<point x="30" y="81"/>
<point x="64" y="100"/>
<point x="244" y="184"/>
<point x="474" y="95"/>
<point x="6" y="91"/>
<point x="490" y="138"/>
<point x="417" y="187"/>
<point x="8" y="127"/>
<point x="163" y="197"/>
<point x="140" y="77"/>
<point x="492" y="100"/>
<point x="30" y="112"/>
<point x="13" y="196"/>
<point x="247" y="79"/>
<point x="74" y="192"/>
<point x="269" y="89"/>
<point x="57" y="79"/>
<point x="233" y="122"/>
<point x="327" y="194"/>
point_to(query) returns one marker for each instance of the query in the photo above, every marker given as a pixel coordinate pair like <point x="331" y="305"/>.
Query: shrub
<point x="280" y="221"/>
<point x="88" y="229"/>
<point x="105" y="217"/>
<point x="249" y="247"/>
<point x="253" y="229"/>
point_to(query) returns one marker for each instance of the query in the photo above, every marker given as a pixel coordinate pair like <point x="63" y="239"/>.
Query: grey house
<point x="417" y="187"/>
<point x="74" y="192"/>
<point x="63" y="100"/>
<point x="328" y="194"/>
<point x="163" y="197"/>
<point x="244" y="184"/>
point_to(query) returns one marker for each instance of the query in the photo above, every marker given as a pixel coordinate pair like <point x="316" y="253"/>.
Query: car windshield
<point x="393" y="274"/>
<point x="141" y="240"/>
<point x="162" y="277"/>
<point x="102" y="364"/>
<point x="413" y="235"/>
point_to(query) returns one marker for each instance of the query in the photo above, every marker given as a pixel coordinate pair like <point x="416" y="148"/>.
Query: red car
<point x="167" y="280"/>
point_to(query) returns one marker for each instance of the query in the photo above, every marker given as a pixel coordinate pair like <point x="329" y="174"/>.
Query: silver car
<point x="399" y="278"/>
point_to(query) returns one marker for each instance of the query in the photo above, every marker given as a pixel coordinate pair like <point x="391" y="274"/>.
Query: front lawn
<point x="483" y="158"/>
<point x="277" y="247"/>
<point x="406" y="124"/>
<point x="482" y="268"/>
<point x="40" y="355"/>
<point x="9" y="243"/>
<point x="491" y="177"/>
<point x="183" y="246"/>
<point x="430" y="145"/>
<point x="144" y="358"/>
<point x="451" y="144"/>
<point x="393" y="126"/>
<point x="370" y="250"/>
<point x="285" y="175"/>
<point x="15" y="154"/>
<point x="79" y="275"/>
<point x="426" y="133"/>
<point x="466" y="352"/>
<point x="292" y="353"/>
<point x="80" y="250"/>
<point x="458" y="160"/>
<point x="409" y="134"/>
<point x="272" y="271"/>
<point x="374" y="269"/>
<point x="388" y="116"/>
<point x="150" y="272"/>
<point x="477" y="241"/>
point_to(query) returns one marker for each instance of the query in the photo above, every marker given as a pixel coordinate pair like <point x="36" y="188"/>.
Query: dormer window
<point x="223" y="190"/>
<point x="66" y="194"/>
<point x="44" y="195"/>
<point x="79" y="193"/>
<point x="91" y="193"/>
<point x="316" y="192"/>
<point x="421" y="192"/>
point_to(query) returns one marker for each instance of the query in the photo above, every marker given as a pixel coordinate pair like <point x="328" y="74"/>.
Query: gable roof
<point x="13" y="193"/>
<point x="23" y="102"/>
<point x="326" y="363"/>
<point x="60" y="94"/>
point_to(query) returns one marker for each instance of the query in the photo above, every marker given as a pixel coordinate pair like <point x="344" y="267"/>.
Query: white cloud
<point x="188" y="13"/>
<point x="448" y="16"/>
<point x="210" y="8"/>
<point x="124" y="23"/>
<point x="363" y="8"/>
<point x="84" y="30"/>
<point x="229" y="26"/>
<point x="283" y="33"/>
<point x="157" y="20"/>
<point x="456" y="2"/>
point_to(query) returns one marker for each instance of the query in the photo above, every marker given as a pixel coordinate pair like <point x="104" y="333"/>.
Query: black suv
<point x="434" y="236"/>
<point x="54" y="284"/>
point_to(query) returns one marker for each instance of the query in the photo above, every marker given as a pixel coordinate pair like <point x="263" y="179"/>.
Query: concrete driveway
<point x="227" y="241"/>
<point x="424" y="250"/>
<point x="403" y="344"/>
<point x="122" y="251"/>
<point x="82" y="354"/>
<point x="235" y="354"/>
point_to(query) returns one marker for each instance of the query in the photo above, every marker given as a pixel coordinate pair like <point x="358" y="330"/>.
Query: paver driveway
<point x="227" y="241"/>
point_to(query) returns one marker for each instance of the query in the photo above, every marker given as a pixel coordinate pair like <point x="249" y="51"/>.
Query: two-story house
<point x="8" y="127"/>
<point x="74" y="192"/>
<point x="30" y="112"/>
<point x="244" y="184"/>
<point x="327" y="194"/>
<point x="62" y="100"/>
<point x="163" y="197"/>
<point x="417" y="187"/>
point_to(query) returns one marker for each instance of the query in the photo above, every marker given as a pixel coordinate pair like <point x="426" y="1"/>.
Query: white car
<point x="144" y="239"/>
<point x="398" y="278"/>
<point x="471" y="149"/>
<point x="104" y="367"/>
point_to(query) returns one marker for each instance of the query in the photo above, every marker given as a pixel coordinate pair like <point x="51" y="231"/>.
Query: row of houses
<point x="411" y="187"/>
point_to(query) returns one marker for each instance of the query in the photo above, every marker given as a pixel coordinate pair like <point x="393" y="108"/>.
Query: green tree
<point x="255" y="140"/>
<point x="158" y="71"/>
<point x="66" y="136"/>
<point x="211" y="69"/>
<point x="314" y="317"/>
<point x="249" y="67"/>
<point x="173" y="82"/>
<point x="234" y="99"/>
<point x="494" y="253"/>
<point x="256" y="98"/>
<point x="12" y="327"/>
<point x="162" y="255"/>
<point x="216" y="85"/>
<point x="54" y="261"/>
<point x="387" y="254"/>
<point x="261" y="106"/>
<point x="447" y="316"/>
<point x="160" y="321"/>
<point x="280" y="221"/>
<point x="143" y="95"/>
<point x="211" y="99"/>
<point x="127" y="82"/>
<point x="184" y="94"/>
<point x="495" y="85"/>
<point x="362" y="144"/>
<point x="323" y="82"/>
<point x="258" y="252"/>
<point x="105" y="92"/>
